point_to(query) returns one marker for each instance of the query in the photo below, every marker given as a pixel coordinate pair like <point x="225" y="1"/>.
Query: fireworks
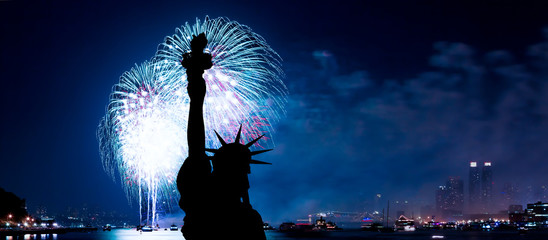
<point x="143" y="134"/>
<point x="244" y="84"/>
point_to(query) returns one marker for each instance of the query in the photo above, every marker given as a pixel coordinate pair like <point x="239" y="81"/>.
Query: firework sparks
<point x="244" y="84"/>
<point x="142" y="137"/>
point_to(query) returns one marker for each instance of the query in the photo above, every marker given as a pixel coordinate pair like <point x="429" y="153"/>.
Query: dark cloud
<point x="353" y="137"/>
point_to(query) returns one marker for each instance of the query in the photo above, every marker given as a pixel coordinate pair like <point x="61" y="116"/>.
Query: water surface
<point x="127" y="234"/>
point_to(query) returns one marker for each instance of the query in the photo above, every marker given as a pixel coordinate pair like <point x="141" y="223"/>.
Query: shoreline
<point x="12" y="232"/>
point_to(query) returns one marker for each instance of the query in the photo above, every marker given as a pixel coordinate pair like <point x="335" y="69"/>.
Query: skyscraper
<point x="441" y="192"/>
<point x="450" y="199"/>
<point x="455" y="189"/>
<point x="474" y="190"/>
<point x="486" y="186"/>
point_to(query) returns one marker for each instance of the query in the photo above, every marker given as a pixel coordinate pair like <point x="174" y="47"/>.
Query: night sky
<point x="389" y="97"/>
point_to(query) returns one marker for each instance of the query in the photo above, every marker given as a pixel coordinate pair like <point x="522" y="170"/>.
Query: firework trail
<point x="244" y="84"/>
<point x="142" y="137"/>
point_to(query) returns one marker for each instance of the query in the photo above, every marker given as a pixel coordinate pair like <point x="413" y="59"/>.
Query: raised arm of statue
<point x="195" y="129"/>
<point x="195" y="63"/>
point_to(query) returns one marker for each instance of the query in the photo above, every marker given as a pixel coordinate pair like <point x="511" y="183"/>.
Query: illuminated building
<point x="515" y="208"/>
<point x="486" y="187"/>
<point x="538" y="209"/>
<point x="537" y="214"/>
<point x="440" y="199"/>
<point x="474" y="190"/>
<point x="455" y="194"/>
<point x="450" y="199"/>
<point x="516" y="214"/>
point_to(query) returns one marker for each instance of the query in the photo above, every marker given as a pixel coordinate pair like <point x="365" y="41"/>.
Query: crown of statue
<point x="236" y="146"/>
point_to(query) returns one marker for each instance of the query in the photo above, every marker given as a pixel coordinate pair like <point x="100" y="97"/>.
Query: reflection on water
<point x="115" y="234"/>
<point x="34" y="236"/>
<point x="127" y="234"/>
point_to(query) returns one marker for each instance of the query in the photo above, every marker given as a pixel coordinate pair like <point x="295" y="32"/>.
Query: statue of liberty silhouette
<point x="214" y="199"/>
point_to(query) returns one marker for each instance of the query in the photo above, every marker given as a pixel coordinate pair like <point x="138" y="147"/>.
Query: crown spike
<point x="252" y="161"/>
<point x="254" y="141"/>
<point x="260" y="151"/>
<point x="220" y="138"/>
<point x="237" y="140"/>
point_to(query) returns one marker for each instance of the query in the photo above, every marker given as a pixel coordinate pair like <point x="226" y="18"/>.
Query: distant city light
<point x="487" y="164"/>
<point x="473" y="164"/>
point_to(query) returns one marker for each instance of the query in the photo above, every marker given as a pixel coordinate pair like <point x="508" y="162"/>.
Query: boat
<point x="404" y="224"/>
<point x="320" y="228"/>
<point x="107" y="228"/>
<point x="372" y="226"/>
<point x="147" y="229"/>
<point x="322" y="224"/>
<point x="287" y="226"/>
<point x="301" y="230"/>
<point x="173" y="227"/>
<point x="432" y="225"/>
<point x="267" y="226"/>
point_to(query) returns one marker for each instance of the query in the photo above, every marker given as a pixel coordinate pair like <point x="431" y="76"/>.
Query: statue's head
<point x="235" y="157"/>
<point x="198" y="43"/>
